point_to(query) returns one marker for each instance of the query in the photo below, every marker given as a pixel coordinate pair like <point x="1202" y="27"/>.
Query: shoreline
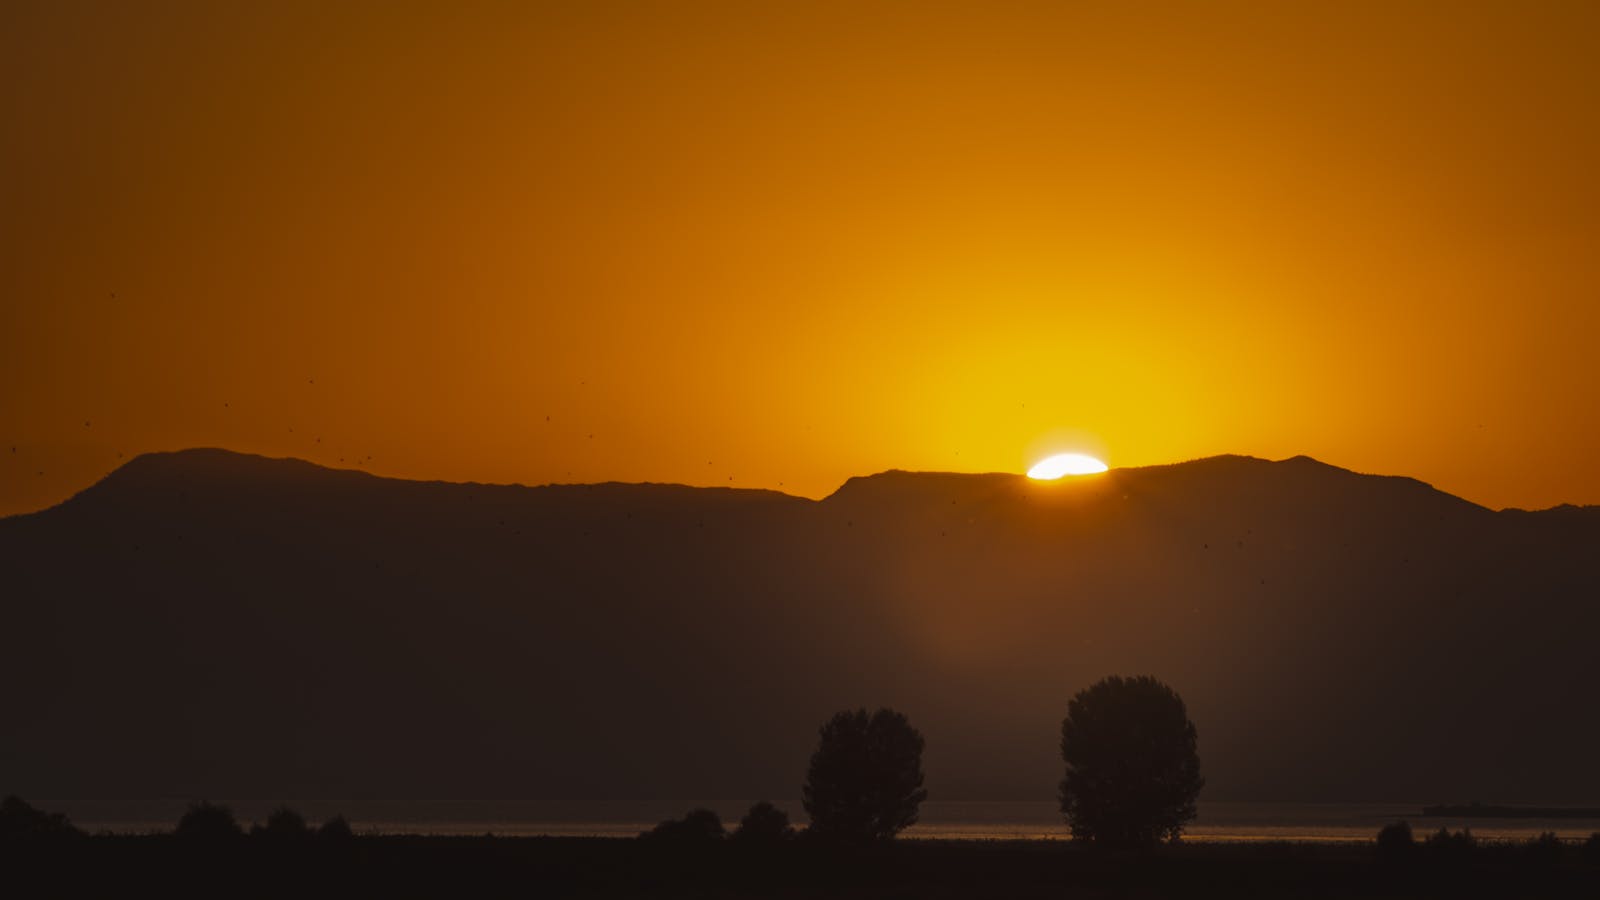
<point x="406" y="865"/>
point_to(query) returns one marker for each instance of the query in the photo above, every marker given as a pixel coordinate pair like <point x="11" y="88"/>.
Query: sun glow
<point x="1063" y="464"/>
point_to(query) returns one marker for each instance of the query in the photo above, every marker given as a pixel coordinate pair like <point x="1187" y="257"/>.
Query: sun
<point x="1051" y="468"/>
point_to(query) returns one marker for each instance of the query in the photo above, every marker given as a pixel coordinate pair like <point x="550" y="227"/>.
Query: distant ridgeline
<point x="1488" y="811"/>
<point x="206" y="624"/>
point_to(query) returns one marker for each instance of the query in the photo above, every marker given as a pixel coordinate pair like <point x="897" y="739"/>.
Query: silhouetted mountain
<point x="209" y="624"/>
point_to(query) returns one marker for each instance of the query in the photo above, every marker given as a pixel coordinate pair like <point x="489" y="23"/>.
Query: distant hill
<point x="209" y="624"/>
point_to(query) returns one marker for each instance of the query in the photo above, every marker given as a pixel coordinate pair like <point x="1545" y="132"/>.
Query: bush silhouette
<point x="1443" y="843"/>
<point x="699" y="826"/>
<point x="865" y="779"/>
<point x="208" y="821"/>
<point x="283" y="824"/>
<point x="335" y="829"/>
<point x="1396" y="843"/>
<point x="20" y="821"/>
<point x="1545" y="850"/>
<point x="1591" y="849"/>
<point x="763" y="824"/>
<point x="1132" y="770"/>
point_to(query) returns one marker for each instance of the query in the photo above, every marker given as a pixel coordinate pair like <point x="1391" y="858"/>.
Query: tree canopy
<point x="865" y="779"/>
<point x="1133" y="772"/>
<point x="764" y="824"/>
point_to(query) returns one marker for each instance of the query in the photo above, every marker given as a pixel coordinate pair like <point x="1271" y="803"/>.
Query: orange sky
<point x="782" y="244"/>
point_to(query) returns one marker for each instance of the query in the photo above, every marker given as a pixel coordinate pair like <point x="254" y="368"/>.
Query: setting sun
<point x="1063" y="464"/>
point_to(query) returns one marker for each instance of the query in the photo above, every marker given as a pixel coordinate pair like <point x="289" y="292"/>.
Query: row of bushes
<point x="766" y="824"/>
<point x="1397" y="844"/>
<point x="202" y="821"/>
<point x="207" y="821"/>
<point x="763" y="824"/>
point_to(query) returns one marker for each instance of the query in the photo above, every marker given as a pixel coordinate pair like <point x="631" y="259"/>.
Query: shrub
<point x="335" y="829"/>
<point x="699" y="826"/>
<point x="1544" y="849"/>
<point x="1451" y="845"/>
<point x="20" y="821"/>
<point x="208" y="821"/>
<point x="763" y="824"/>
<point x="1395" y="842"/>
<point x="283" y="824"/>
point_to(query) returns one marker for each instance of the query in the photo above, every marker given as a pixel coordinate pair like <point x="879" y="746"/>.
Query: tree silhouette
<point x="1132" y="770"/>
<point x="335" y="829"/>
<point x="1396" y="843"/>
<point x="763" y="824"/>
<point x="283" y="824"/>
<point x="865" y="780"/>
<point x="209" y="822"/>
<point x="1451" y="845"/>
<point x="1544" y="850"/>
<point x="20" y="821"/>
<point x="699" y="826"/>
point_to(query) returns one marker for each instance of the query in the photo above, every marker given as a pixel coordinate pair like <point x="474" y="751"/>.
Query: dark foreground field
<point x="383" y="866"/>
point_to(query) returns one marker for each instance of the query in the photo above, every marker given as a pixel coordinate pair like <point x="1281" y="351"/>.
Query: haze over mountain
<point x="209" y="624"/>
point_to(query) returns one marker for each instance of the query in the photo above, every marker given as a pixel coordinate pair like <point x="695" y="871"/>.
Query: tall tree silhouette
<point x="865" y="780"/>
<point x="1133" y="772"/>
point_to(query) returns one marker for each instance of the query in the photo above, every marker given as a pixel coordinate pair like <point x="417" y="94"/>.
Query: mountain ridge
<point x="172" y="461"/>
<point x="214" y="625"/>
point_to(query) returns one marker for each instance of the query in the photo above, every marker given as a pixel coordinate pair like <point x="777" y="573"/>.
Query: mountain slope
<point x="211" y="624"/>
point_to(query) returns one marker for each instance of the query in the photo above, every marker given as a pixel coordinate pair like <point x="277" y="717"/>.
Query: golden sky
<point x="777" y="245"/>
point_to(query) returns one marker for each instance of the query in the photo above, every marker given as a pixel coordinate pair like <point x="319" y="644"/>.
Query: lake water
<point x="1230" y="822"/>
